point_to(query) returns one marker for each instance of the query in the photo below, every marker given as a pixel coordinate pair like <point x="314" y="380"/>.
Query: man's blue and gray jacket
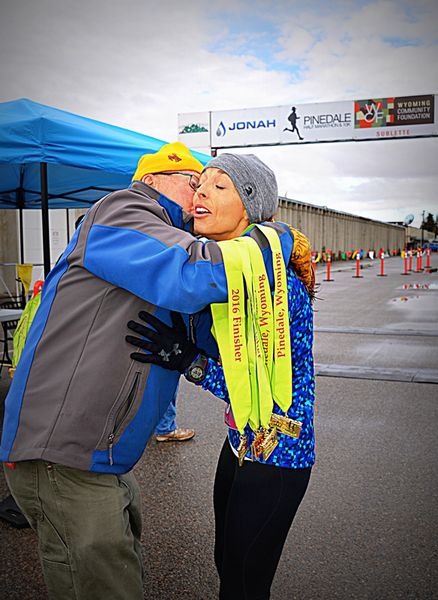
<point x="77" y="398"/>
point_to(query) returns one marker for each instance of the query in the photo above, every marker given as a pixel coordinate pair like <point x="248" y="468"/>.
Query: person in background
<point x="167" y="431"/>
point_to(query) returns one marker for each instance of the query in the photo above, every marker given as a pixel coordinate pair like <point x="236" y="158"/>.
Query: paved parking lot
<point x="367" y="528"/>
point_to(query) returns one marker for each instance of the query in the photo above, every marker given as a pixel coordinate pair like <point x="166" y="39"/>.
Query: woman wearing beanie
<point x="263" y="471"/>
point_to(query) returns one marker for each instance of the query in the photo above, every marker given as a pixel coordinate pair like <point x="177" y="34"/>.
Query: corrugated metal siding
<point x="340" y="232"/>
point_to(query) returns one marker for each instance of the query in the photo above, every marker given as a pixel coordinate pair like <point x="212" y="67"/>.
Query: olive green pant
<point x="88" y="526"/>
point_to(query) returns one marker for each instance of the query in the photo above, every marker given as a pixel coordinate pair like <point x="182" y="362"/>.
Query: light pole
<point x="422" y="230"/>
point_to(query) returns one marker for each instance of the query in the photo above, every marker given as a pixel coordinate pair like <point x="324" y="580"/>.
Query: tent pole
<point x="21" y="236"/>
<point x="45" y="217"/>
<point x="67" y="219"/>
<point x="20" y="204"/>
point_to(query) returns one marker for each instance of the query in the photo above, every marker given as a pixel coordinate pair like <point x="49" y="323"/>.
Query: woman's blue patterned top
<point x="290" y="452"/>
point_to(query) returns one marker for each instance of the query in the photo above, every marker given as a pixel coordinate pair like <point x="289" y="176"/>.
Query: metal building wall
<point x="340" y="232"/>
<point x="415" y="233"/>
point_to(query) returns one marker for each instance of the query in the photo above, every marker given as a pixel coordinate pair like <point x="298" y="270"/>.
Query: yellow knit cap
<point x="171" y="157"/>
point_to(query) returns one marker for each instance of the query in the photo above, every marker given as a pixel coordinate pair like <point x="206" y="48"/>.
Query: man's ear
<point x="150" y="179"/>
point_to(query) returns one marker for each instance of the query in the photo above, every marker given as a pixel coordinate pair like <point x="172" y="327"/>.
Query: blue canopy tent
<point x="50" y="158"/>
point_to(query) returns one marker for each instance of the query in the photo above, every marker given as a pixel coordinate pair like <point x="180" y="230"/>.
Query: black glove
<point x="168" y="346"/>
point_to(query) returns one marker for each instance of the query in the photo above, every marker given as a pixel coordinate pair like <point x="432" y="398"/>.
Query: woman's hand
<point x="167" y="346"/>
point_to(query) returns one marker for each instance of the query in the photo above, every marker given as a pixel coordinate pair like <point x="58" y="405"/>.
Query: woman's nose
<point x="201" y="191"/>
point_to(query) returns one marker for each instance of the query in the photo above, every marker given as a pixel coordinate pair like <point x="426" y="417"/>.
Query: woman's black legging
<point x="254" y="508"/>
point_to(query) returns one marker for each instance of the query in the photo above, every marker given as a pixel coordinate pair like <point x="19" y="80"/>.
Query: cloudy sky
<point x="137" y="64"/>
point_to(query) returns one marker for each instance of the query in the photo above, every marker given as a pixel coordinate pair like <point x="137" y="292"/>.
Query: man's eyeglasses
<point x="193" y="179"/>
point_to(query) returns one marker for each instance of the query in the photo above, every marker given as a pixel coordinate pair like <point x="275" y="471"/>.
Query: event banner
<point x="362" y="119"/>
<point x="194" y="130"/>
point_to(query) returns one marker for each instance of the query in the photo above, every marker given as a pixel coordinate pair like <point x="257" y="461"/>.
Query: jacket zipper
<point x="110" y="447"/>
<point x="192" y="329"/>
<point x="125" y="408"/>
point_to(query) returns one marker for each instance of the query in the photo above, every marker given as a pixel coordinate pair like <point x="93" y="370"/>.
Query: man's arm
<point x="169" y="346"/>
<point x="130" y="245"/>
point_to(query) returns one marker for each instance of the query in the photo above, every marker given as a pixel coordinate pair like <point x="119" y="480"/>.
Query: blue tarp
<point x="85" y="158"/>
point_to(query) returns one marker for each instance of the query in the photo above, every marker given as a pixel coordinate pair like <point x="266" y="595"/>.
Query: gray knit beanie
<point x="254" y="181"/>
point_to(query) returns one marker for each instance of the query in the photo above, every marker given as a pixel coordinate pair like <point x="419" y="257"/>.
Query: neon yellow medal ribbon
<point x="281" y="380"/>
<point x="229" y="329"/>
<point x="257" y="286"/>
<point x="254" y="344"/>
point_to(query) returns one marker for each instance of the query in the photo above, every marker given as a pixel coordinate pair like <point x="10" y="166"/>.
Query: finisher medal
<point x="256" y="448"/>
<point x="269" y="443"/>
<point x="242" y="449"/>
<point x="285" y="425"/>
